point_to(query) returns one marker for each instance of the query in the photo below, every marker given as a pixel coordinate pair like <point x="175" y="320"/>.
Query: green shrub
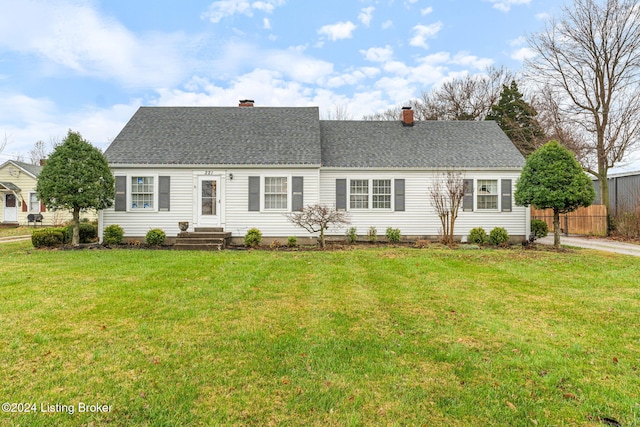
<point x="352" y="235"/>
<point x="49" y="237"/>
<point x="372" y="234"/>
<point x="113" y="235"/>
<point x="478" y="236"/>
<point x="252" y="238"/>
<point x="393" y="234"/>
<point x="88" y="232"/>
<point x="292" y="241"/>
<point x="539" y="228"/>
<point x="498" y="236"/>
<point x="155" y="237"/>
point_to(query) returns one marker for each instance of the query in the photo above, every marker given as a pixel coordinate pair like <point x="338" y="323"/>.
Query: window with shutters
<point x="370" y="194"/>
<point x="276" y="193"/>
<point x="34" y="203"/>
<point x="143" y="192"/>
<point x="487" y="194"/>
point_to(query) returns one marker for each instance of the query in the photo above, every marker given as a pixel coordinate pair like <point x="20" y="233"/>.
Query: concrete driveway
<point x="594" y="243"/>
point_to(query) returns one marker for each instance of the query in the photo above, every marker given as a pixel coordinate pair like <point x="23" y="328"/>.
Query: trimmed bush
<point x="253" y="237"/>
<point x="352" y="235"/>
<point x="113" y="235"/>
<point x="498" y="236"/>
<point x="539" y="228"/>
<point x="393" y="234"/>
<point x="49" y="237"/>
<point x="155" y="237"/>
<point x="88" y="232"/>
<point x="292" y="241"/>
<point x="478" y="236"/>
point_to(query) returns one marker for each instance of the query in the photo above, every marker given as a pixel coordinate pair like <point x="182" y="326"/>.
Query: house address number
<point x="208" y="173"/>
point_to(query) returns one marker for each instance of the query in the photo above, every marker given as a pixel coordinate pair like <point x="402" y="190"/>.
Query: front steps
<point x="202" y="239"/>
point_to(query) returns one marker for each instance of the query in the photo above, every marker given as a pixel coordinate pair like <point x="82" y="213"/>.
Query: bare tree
<point x="4" y="142"/>
<point x="338" y="112"/>
<point x="318" y="218"/>
<point x="591" y="58"/>
<point x="464" y="98"/>
<point x="447" y="194"/>
<point x="37" y="153"/>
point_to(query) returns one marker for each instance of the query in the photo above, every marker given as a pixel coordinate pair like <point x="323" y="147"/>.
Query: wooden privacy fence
<point x="588" y="221"/>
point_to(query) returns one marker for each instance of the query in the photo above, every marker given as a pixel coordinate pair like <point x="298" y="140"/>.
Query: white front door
<point x="10" y="208"/>
<point x="208" y="201"/>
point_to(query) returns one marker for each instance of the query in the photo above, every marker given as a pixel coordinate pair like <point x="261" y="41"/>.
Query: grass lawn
<point x="15" y="231"/>
<point x="391" y="337"/>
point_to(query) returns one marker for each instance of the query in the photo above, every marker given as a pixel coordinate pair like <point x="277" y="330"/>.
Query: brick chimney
<point x="246" y="103"/>
<point x="407" y="116"/>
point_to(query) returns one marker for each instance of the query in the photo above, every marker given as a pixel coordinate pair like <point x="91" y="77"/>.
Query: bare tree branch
<point x="318" y="218"/>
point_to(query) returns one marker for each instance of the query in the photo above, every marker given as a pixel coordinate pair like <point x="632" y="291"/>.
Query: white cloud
<point x="218" y="10"/>
<point x="543" y="16"/>
<point x="72" y="36"/>
<point x="366" y="15"/>
<point x="27" y="120"/>
<point x="505" y="5"/>
<point x="387" y="24"/>
<point x="378" y="54"/>
<point x="523" y="54"/>
<point x="467" y="60"/>
<point x="338" y="31"/>
<point x="266" y="24"/>
<point x="426" y="11"/>
<point x="423" y="32"/>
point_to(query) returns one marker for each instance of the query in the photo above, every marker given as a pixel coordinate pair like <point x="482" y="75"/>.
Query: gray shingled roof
<point x="32" y="169"/>
<point x="219" y="136"/>
<point x="427" y="144"/>
<point x="296" y="136"/>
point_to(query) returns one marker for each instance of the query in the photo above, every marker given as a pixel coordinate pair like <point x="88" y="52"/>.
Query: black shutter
<point x="506" y="195"/>
<point x="467" y="199"/>
<point x="254" y="194"/>
<point x="399" y="194"/>
<point x="297" y="198"/>
<point x="121" y="193"/>
<point x="341" y="194"/>
<point x="164" y="190"/>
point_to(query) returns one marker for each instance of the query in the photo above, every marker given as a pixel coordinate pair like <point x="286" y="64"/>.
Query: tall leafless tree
<point x="318" y="218"/>
<point x="338" y="112"/>
<point x="590" y="57"/>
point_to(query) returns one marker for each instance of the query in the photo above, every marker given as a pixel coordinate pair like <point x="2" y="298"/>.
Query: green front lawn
<point x="16" y="231"/>
<point x="364" y="337"/>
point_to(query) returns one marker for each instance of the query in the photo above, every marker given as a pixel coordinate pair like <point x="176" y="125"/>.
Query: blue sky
<point x="87" y="65"/>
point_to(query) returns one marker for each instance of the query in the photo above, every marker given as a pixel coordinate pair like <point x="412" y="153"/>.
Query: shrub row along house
<point x="244" y="167"/>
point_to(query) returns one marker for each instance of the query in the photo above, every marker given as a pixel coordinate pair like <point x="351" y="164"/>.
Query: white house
<point x="242" y="167"/>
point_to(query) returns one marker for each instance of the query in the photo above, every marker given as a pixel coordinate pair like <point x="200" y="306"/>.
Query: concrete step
<point x="208" y="229"/>
<point x="203" y="234"/>
<point x="179" y="246"/>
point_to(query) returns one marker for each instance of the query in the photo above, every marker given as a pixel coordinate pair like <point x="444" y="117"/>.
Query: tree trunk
<point x="322" y="237"/>
<point x="556" y="228"/>
<point x="75" y="240"/>
<point x="603" y="182"/>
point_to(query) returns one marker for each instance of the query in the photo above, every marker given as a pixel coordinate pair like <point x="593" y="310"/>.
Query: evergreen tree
<point x="517" y="119"/>
<point x="76" y="176"/>
<point x="553" y="179"/>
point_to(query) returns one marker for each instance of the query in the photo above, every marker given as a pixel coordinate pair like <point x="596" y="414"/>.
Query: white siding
<point x="419" y="217"/>
<point x="234" y="213"/>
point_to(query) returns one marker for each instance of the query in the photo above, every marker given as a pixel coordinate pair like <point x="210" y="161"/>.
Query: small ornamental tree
<point x="447" y="194"/>
<point x="318" y="218"/>
<point x="76" y="176"/>
<point x="553" y="179"/>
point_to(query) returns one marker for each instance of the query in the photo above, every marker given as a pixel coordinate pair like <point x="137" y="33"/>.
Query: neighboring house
<point x="18" y="198"/>
<point x="244" y="167"/>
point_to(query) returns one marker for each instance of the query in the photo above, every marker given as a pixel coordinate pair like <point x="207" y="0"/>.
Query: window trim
<point x="263" y="193"/>
<point x="370" y="207"/>
<point x="478" y="195"/>
<point x="33" y="193"/>
<point x="130" y="192"/>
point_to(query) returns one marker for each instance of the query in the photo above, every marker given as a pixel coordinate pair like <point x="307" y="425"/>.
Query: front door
<point x="208" y="201"/>
<point x="10" y="208"/>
